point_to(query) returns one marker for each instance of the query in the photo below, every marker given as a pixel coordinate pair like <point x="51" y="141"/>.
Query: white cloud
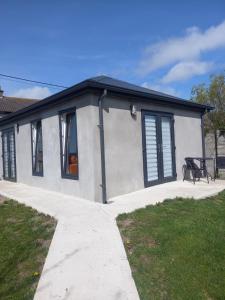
<point x="186" y="48"/>
<point x="185" y="70"/>
<point x="35" y="92"/>
<point x="161" y="88"/>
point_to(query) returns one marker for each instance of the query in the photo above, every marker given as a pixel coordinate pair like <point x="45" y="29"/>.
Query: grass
<point x="176" y="249"/>
<point x="25" y="236"/>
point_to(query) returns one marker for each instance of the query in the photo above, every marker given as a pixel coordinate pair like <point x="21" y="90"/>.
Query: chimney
<point x="1" y="93"/>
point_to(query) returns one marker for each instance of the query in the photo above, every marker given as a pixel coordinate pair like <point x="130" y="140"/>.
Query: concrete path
<point x="158" y="193"/>
<point x="86" y="259"/>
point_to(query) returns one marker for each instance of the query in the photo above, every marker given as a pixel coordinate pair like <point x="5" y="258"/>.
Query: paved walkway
<point x="86" y="259"/>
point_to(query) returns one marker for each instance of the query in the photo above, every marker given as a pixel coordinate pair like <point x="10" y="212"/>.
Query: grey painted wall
<point x="123" y="147"/>
<point x="87" y="130"/>
<point x="123" y="143"/>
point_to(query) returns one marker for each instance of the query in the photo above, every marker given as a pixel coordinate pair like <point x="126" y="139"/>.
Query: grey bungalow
<point x="101" y="138"/>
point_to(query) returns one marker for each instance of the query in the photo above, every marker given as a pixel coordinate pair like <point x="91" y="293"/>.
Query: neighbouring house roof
<point x="12" y="104"/>
<point x="112" y="85"/>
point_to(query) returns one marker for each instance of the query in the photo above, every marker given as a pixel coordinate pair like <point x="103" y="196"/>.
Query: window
<point x="37" y="148"/>
<point x="68" y="139"/>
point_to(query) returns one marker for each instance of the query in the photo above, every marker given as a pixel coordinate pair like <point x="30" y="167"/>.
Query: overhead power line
<point x="33" y="81"/>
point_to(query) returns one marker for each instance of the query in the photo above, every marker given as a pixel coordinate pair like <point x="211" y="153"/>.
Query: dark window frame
<point x="34" y="172"/>
<point x="63" y="171"/>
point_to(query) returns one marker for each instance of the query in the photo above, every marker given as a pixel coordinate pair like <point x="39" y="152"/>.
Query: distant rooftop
<point x="12" y="104"/>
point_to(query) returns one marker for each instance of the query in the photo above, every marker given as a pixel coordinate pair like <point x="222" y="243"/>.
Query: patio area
<point x="86" y="259"/>
<point x="158" y="193"/>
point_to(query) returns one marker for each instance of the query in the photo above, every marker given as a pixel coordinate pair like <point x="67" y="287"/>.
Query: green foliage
<point x="176" y="248"/>
<point x="214" y="95"/>
<point x="25" y="236"/>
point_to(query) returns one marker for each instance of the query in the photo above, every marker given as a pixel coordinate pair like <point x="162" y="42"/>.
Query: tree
<point x="212" y="94"/>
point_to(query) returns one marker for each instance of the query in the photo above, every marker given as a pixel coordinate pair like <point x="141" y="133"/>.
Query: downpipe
<point x="102" y="145"/>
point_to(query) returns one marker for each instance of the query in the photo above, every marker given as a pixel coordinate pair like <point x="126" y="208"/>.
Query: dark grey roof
<point x="112" y="85"/>
<point x="12" y="104"/>
<point x="132" y="89"/>
<point x="128" y="86"/>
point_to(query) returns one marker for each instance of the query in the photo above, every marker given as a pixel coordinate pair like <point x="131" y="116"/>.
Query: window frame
<point x="63" y="172"/>
<point x="34" y="172"/>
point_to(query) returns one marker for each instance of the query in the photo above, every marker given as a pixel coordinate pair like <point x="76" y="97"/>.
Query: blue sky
<point x="164" y="45"/>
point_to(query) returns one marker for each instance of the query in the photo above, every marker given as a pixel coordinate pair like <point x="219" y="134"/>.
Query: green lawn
<point x="25" y="236"/>
<point x="177" y="249"/>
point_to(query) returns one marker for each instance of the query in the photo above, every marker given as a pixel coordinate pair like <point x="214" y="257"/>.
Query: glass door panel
<point x="5" y="155"/>
<point x="9" y="155"/>
<point x="151" y="148"/>
<point x="12" y="155"/>
<point x="166" y="147"/>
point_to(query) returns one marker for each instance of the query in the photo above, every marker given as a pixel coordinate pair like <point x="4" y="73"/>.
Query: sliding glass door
<point x="158" y="147"/>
